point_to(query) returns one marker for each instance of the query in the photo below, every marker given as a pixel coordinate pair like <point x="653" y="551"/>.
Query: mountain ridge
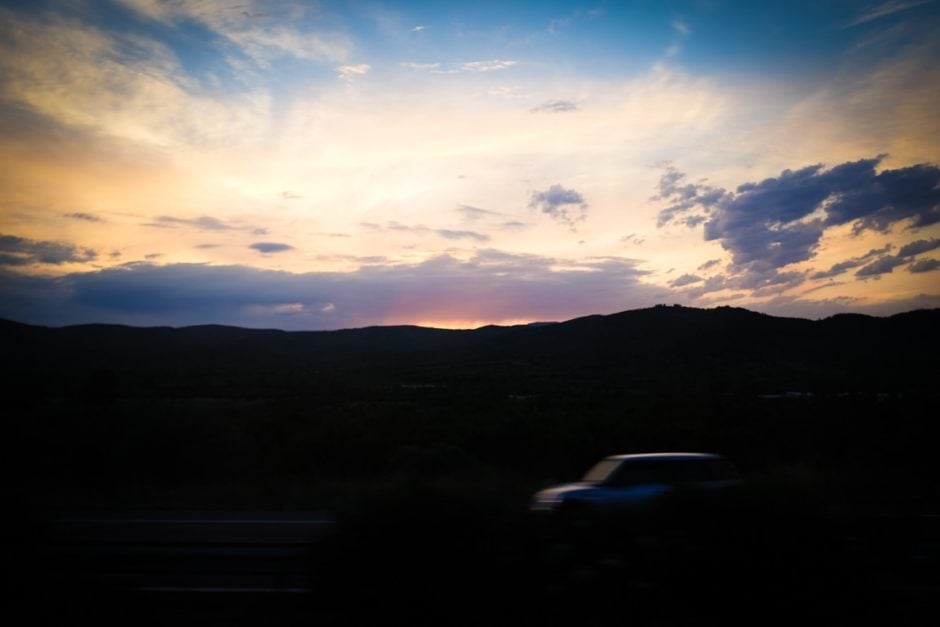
<point x="724" y="347"/>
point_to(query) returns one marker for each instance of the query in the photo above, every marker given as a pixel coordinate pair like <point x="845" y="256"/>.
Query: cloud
<point x="119" y="84"/>
<point x="924" y="265"/>
<point x="420" y="229"/>
<point x="633" y="238"/>
<point x="681" y="27"/>
<point x="20" y="251"/>
<point x="262" y="40"/>
<point x="475" y="214"/>
<point x="885" y="9"/>
<point x="203" y="223"/>
<point x="425" y="67"/>
<point x="555" y="106"/>
<point x="848" y="264"/>
<point x="449" y="234"/>
<point x="419" y="28"/>
<point x="486" y="66"/>
<point x="918" y="247"/>
<point x="771" y="224"/>
<point x="685" y="279"/>
<point x="271" y="247"/>
<point x="87" y="217"/>
<point x="711" y="263"/>
<point x="563" y="205"/>
<point x="351" y="72"/>
<point x="491" y="286"/>
<point x="884" y="263"/>
<point x="467" y="67"/>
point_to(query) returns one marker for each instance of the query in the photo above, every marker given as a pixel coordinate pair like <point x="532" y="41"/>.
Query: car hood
<point x="549" y="498"/>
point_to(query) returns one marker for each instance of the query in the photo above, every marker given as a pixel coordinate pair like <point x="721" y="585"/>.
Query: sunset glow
<point x="319" y="165"/>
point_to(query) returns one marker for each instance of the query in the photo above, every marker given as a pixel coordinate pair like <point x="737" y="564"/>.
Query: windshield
<point x="630" y="472"/>
<point x="601" y="470"/>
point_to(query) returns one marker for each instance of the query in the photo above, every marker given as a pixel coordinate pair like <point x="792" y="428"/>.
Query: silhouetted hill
<point x="145" y="414"/>
<point x="722" y="348"/>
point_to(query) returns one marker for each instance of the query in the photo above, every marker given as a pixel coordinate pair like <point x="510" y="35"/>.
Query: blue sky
<point x="313" y="165"/>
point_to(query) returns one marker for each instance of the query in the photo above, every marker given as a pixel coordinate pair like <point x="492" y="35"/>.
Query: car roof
<point x="664" y="456"/>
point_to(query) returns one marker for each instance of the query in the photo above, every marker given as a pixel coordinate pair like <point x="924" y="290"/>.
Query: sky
<point x="325" y="165"/>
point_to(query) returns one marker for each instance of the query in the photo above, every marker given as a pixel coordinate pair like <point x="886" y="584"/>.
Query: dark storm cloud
<point x="779" y="221"/>
<point x="555" y="106"/>
<point x="924" y="265"/>
<point x="491" y="285"/>
<point x="271" y="247"/>
<point x="87" y="217"/>
<point x="563" y="205"/>
<point x="20" y="251"/>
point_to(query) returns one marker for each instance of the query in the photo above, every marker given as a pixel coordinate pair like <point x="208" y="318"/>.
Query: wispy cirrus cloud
<point x="202" y="223"/>
<point x="352" y="72"/>
<point x="85" y="217"/>
<point x="555" y="106"/>
<point x="422" y="230"/>
<point x="119" y="85"/>
<point x="472" y="67"/>
<point x="263" y="31"/>
<point x="885" y="9"/>
<point x="493" y="65"/>
<point x="425" y="67"/>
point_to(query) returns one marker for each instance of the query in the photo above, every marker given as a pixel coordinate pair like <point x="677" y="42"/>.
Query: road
<point x="242" y="567"/>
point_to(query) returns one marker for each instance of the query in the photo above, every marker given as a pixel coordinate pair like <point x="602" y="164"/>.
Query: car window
<point x="633" y="473"/>
<point x="601" y="470"/>
<point x="646" y="472"/>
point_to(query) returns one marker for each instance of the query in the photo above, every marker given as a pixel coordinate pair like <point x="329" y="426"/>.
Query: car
<point x="625" y="483"/>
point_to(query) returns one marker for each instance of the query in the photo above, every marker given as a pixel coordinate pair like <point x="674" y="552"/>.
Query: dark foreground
<point x="423" y="446"/>
<point x="433" y="560"/>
